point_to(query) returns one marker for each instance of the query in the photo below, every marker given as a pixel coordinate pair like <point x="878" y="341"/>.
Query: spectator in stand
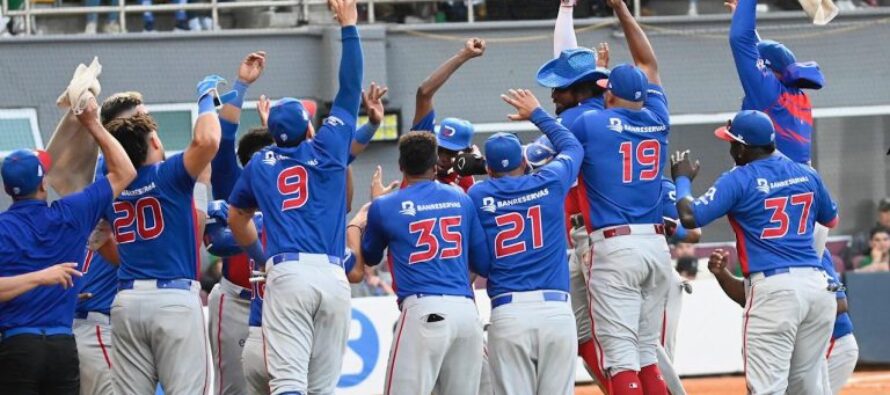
<point x="878" y="259"/>
<point x="687" y="266"/>
<point x="182" y="23"/>
<point x="111" y="24"/>
<point x="861" y="243"/>
<point x="682" y="249"/>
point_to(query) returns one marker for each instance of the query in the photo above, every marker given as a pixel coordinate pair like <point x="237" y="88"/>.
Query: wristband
<point x="680" y="233"/>
<point x="255" y="252"/>
<point x="240" y="89"/>
<point x="365" y="133"/>
<point x="205" y="104"/>
<point x="684" y="187"/>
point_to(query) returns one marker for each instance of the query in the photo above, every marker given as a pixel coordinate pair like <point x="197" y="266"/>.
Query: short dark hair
<point x="586" y="87"/>
<point x="687" y="264"/>
<point x="132" y="133"/>
<point x="876" y="230"/>
<point x="417" y="152"/>
<point x="118" y="104"/>
<point x="252" y="141"/>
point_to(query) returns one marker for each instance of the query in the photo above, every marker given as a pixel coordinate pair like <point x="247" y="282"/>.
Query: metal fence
<point x="214" y="6"/>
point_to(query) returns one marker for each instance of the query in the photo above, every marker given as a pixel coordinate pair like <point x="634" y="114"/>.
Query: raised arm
<point x="61" y="274"/>
<point x="732" y="286"/>
<point x="120" y="169"/>
<point x="225" y="163"/>
<point x="349" y="95"/>
<point x="372" y="100"/>
<point x="473" y="48"/>
<point x="640" y="48"/>
<point x="206" y="136"/>
<point x="354" y="242"/>
<point x="760" y="87"/>
<point x="564" y="30"/>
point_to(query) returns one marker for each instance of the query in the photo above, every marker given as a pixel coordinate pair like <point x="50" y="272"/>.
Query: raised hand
<point x="473" y="48"/>
<point x="524" y="102"/>
<point x="717" y="261"/>
<point x="252" y="67"/>
<point x="615" y="3"/>
<point x="682" y="166"/>
<point x="90" y="114"/>
<point x="344" y="11"/>
<point x="262" y="109"/>
<point x="60" y="274"/>
<point x="731" y="5"/>
<point x="377" y="188"/>
<point x="602" y="56"/>
<point x="372" y="100"/>
<point x="209" y="86"/>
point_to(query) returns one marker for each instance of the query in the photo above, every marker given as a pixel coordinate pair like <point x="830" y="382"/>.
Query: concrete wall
<point x="694" y="61"/>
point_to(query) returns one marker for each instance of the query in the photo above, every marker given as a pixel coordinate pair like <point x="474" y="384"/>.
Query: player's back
<point x="776" y="204"/>
<point x="427" y="228"/>
<point x="100" y="281"/>
<point x="568" y="117"/>
<point x="302" y="195"/>
<point x="624" y="154"/>
<point x="154" y="224"/>
<point x="523" y="218"/>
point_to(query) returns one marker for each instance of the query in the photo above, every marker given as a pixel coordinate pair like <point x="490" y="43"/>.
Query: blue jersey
<point x="568" y="117"/>
<point x="302" y="190"/>
<point x="427" y="123"/>
<point x="524" y="219"/>
<point x="772" y="205"/>
<point x="624" y="154"/>
<point x="843" y="326"/>
<point x="154" y="223"/>
<point x="34" y="236"/>
<point x="433" y="235"/>
<point x="787" y="106"/>
<point x="100" y="280"/>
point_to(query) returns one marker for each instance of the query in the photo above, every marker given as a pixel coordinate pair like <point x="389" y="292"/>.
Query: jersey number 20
<point x="780" y="215"/>
<point x="139" y="213"/>
<point x="430" y="244"/>
<point x="515" y="223"/>
<point x="647" y="156"/>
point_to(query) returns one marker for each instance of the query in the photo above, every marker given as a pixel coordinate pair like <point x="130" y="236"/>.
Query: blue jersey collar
<point x="27" y="203"/>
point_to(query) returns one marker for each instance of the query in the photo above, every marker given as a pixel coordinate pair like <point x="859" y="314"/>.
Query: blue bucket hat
<point x="572" y="65"/>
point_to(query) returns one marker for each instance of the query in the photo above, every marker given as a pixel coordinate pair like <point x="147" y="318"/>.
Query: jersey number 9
<point x="449" y="232"/>
<point x="503" y="245"/>
<point x="647" y="156"/>
<point x="293" y="181"/>
<point x="147" y="216"/>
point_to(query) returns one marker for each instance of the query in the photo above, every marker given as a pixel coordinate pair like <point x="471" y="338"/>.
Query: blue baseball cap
<point x="288" y="121"/>
<point x="539" y="152"/>
<point x="455" y="134"/>
<point x="503" y="152"/>
<point x="572" y="65"/>
<point x="748" y="127"/>
<point x="775" y="55"/>
<point x="23" y="171"/>
<point x="627" y="82"/>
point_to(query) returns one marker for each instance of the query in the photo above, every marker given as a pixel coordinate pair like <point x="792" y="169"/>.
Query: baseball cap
<point x="23" y="171"/>
<point x="884" y="204"/>
<point x="573" y="65"/>
<point x="455" y="134"/>
<point x="539" y="152"/>
<point x="288" y="121"/>
<point x="503" y="152"/>
<point x="749" y="127"/>
<point x="627" y="82"/>
<point x="775" y="55"/>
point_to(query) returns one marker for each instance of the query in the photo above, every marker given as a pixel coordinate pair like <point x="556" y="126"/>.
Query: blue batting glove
<point x="210" y="85"/>
<point x="218" y="210"/>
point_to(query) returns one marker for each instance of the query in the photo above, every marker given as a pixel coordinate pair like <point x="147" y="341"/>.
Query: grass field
<point x="875" y="382"/>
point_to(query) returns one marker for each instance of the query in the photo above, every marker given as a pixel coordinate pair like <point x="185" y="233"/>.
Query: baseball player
<point x="843" y="351"/>
<point x="774" y="83"/>
<point x="621" y="171"/>
<point x="532" y="339"/>
<point x="38" y="354"/>
<point x="772" y="204"/>
<point x="156" y="315"/>
<point x="434" y="238"/>
<point x="300" y="187"/>
<point x="454" y="135"/>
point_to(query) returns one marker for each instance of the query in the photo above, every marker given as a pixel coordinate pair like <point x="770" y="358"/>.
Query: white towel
<point x="820" y="11"/>
<point x="84" y="84"/>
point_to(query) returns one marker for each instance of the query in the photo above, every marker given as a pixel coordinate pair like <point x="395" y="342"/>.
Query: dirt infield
<point x="862" y="383"/>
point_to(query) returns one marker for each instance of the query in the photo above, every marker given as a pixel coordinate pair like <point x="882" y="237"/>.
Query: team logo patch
<point x="408" y="208"/>
<point x="333" y="121"/>
<point x="269" y="158"/>
<point x="638" y="95"/>
<point x="763" y="185"/>
<point x="505" y="162"/>
<point x="615" y="125"/>
<point x="448" y="131"/>
<point x="488" y="204"/>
